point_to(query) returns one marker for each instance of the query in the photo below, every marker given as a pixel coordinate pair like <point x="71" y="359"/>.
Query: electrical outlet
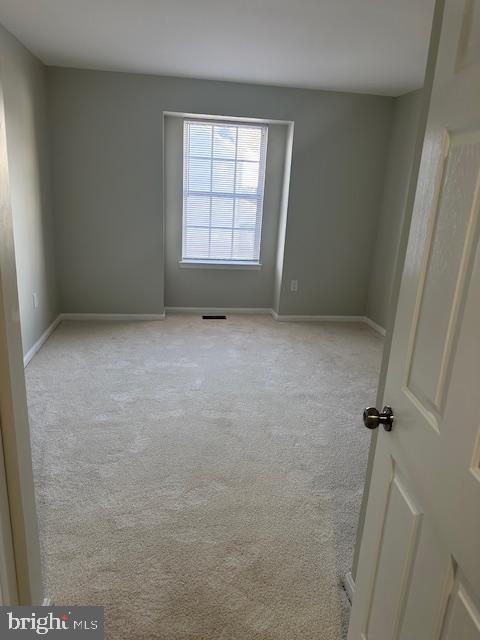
<point x="35" y="301"/>
<point x="294" y="285"/>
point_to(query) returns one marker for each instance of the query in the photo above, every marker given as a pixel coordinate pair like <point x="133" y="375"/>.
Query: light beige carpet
<point x="202" y="479"/>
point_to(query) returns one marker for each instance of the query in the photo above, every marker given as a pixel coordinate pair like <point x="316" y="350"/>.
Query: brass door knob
<point x="372" y="418"/>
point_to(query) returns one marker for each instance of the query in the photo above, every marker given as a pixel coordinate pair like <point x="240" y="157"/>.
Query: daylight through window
<point x="223" y="182"/>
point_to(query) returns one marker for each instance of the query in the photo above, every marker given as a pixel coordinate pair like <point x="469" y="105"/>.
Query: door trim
<point x="19" y="540"/>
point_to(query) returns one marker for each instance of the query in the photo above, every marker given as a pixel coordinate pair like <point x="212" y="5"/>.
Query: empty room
<point x="239" y="349"/>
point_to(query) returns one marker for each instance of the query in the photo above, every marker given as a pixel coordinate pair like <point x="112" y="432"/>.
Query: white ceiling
<point x="372" y="46"/>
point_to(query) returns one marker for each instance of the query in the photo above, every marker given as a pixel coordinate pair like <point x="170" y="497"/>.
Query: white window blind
<point x="223" y="182"/>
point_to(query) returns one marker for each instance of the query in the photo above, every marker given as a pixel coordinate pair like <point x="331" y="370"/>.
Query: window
<point x="223" y="181"/>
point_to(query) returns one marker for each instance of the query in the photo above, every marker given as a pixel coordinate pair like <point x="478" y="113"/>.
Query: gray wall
<point x="335" y="195"/>
<point x="396" y="188"/>
<point x="220" y="287"/>
<point x="106" y="137"/>
<point x="23" y="80"/>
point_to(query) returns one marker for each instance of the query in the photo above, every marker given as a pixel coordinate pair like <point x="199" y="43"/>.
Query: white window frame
<point x="187" y="262"/>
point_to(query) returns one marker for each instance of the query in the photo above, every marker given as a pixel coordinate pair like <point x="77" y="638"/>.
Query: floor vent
<point x="213" y="317"/>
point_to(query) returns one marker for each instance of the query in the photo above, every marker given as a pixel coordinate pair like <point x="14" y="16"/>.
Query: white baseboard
<point x="109" y="317"/>
<point x="41" y="341"/>
<point x="219" y="310"/>
<point x="276" y="316"/>
<point x="307" y="318"/>
<point x="349" y="585"/>
<point x="373" y="325"/>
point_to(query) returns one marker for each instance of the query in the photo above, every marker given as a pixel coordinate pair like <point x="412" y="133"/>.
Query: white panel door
<point x="419" y="568"/>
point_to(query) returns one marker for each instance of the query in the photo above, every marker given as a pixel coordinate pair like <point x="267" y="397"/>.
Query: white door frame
<point x="20" y="568"/>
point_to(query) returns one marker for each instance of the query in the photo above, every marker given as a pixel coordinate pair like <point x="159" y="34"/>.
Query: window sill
<point x="218" y="264"/>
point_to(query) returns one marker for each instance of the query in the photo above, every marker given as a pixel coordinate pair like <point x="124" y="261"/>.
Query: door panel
<point x="419" y="567"/>
<point x="401" y="526"/>
<point x="431" y="584"/>
<point x="463" y="620"/>
<point x="448" y="254"/>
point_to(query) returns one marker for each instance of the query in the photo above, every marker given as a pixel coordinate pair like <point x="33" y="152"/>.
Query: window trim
<point x="220" y="264"/>
<point x="209" y="263"/>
